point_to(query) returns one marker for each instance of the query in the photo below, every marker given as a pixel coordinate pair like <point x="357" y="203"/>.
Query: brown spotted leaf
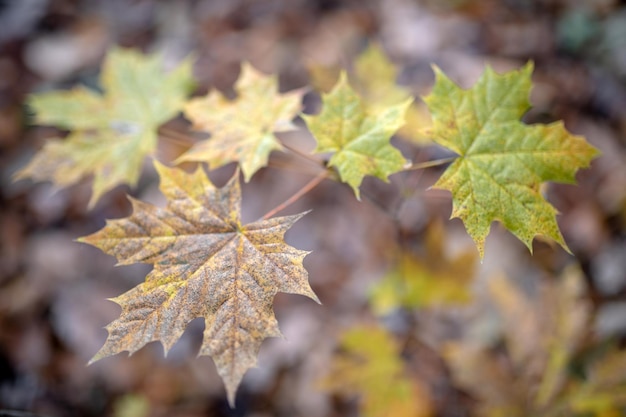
<point x="206" y="264"/>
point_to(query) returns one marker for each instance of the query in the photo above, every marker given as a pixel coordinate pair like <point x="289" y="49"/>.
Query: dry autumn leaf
<point x="113" y="132"/>
<point x="206" y="264"/>
<point x="502" y="162"/>
<point x="242" y="130"/>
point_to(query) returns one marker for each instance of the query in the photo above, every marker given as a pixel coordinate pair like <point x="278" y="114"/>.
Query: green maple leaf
<point x="113" y="132"/>
<point x="206" y="264"/>
<point x="502" y="162"/>
<point x="242" y="130"/>
<point x="358" y="135"/>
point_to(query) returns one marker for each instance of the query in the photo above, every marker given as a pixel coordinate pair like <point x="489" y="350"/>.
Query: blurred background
<point x="460" y="330"/>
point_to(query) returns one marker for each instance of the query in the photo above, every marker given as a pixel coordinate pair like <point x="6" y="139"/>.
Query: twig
<point x="302" y="191"/>
<point x="429" y="164"/>
<point x="176" y="136"/>
<point x="303" y="155"/>
<point x="291" y="167"/>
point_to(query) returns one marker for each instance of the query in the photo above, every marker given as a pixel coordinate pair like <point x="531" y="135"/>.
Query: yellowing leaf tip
<point x="439" y="73"/>
<point x="342" y="82"/>
<point x="247" y="74"/>
<point x="159" y="166"/>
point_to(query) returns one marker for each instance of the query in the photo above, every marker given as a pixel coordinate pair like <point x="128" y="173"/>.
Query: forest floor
<point x="53" y="290"/>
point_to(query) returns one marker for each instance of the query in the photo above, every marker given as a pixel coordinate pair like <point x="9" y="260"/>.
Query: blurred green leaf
<point x="113" y="132"/>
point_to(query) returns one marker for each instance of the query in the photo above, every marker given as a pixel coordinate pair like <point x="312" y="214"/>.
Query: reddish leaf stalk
<point x="302" y="191"/>
<point x="175" y="136"/>
<point x="301" y="154"/>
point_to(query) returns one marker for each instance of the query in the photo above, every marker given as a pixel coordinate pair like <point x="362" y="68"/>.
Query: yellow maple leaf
<point x="206" y="264"/>
<point x="374" y="77"/>
<point x="426" y="280"/>
<point x="242" y="130"/>
<point x="111" y="133"/>
<point x="370" y="364"/>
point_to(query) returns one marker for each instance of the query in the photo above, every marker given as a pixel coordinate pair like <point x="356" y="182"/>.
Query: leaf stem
<point x="303" y="155"/>
<point x="429" y="164"/>
<point x="176" y="136"/>
<point x="302" y="191"/>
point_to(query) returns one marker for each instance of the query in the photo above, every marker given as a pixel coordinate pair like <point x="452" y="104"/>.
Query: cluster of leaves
<point x="206" y="263"/>
<point x="543" y="361"/>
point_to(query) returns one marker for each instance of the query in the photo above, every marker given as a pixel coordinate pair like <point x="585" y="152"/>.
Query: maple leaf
<point x="502" y="161"/>
<point x="206" y="264"/>
<point x="370" y="364"/>
<point x="242" y="130"/>
<point x="374" y="78"/>
<point x="431" y="279"/>
<point x="358" y="135"/>
<point x="113" y="132"/>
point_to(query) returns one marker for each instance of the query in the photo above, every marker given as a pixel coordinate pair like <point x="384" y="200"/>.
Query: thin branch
<point x="429" y="164"/>
<point x="288" y="165"/>
<point x="176" y="136"/>
<point x="302" y="191"/>
<point x="303" y="155"/>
